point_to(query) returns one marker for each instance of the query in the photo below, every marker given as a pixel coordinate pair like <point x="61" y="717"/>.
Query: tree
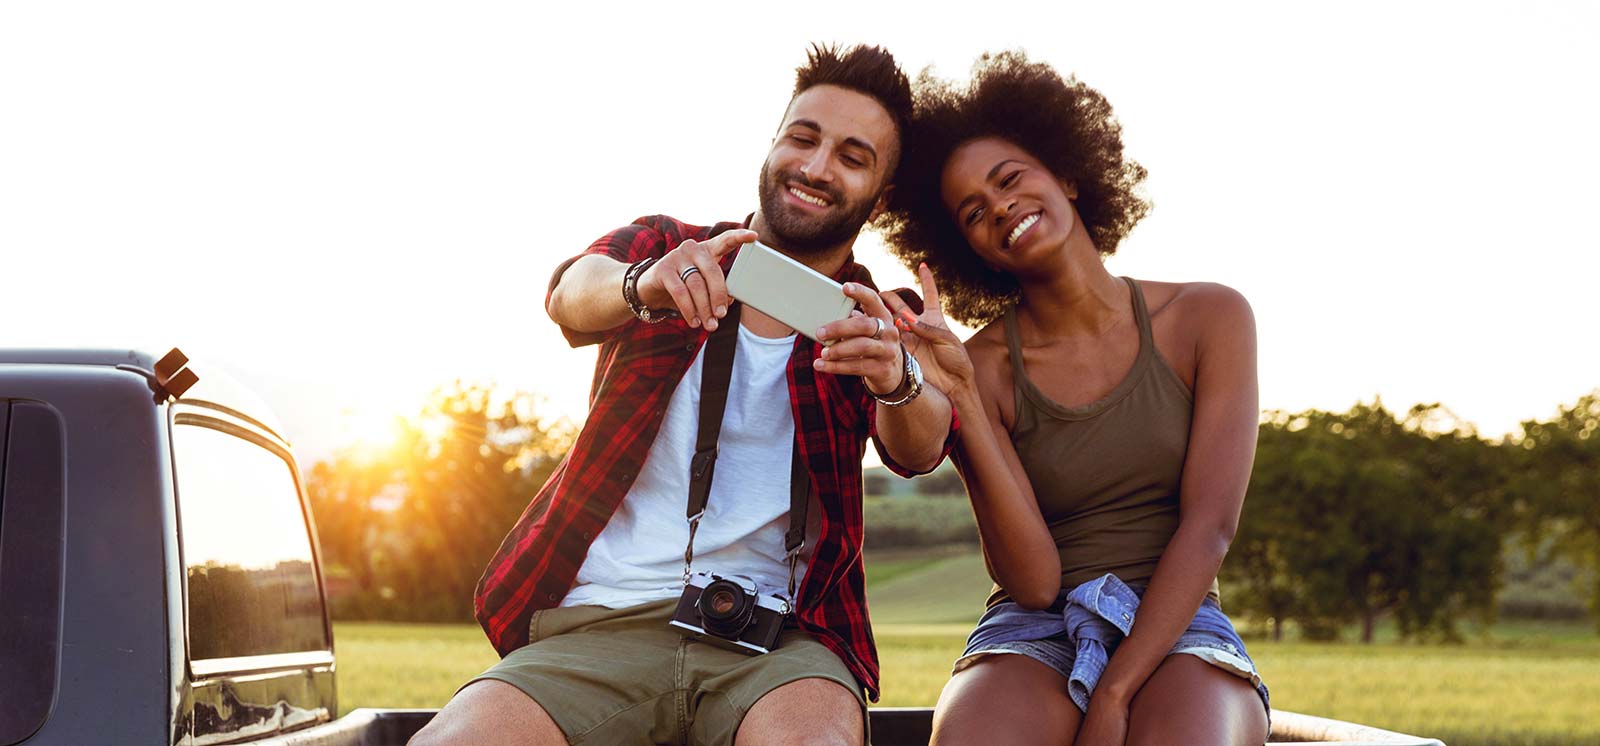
<point x="1351" y="516"/>
<point x="1559" y="464"/>
<point x="415" y="524"/>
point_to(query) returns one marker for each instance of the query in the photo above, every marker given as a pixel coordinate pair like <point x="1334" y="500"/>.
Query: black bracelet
<point x="630" y="293"/>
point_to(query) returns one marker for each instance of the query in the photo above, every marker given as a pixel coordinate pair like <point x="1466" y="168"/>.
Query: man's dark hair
<point x="1065" y="124"/>
<point x="870" y="71"/>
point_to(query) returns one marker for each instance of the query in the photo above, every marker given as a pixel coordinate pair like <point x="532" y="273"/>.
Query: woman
<point x="1129" y="415"/>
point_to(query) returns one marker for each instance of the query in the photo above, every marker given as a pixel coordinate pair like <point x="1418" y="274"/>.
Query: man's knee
<point x="813" y="712"/>
<point x="491" y="713"/>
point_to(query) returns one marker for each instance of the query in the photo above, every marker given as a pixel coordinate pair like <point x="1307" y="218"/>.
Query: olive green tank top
<point x="1106" y="474"/>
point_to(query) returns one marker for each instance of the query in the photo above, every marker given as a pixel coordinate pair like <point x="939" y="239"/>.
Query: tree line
<point x="1350" y="516"/>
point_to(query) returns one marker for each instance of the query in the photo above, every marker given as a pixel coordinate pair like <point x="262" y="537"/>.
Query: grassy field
<point x="1534" y="684"/>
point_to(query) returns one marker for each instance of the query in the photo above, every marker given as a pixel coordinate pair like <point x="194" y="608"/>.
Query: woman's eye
<point x="1010" y="178"/>
<point x="972" y="217"/>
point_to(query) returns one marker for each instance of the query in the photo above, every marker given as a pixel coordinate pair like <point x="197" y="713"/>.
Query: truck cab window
<point x="252" y="583"/>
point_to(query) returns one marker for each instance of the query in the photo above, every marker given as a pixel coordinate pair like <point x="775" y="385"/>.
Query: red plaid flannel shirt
<point x="638" y="368"/>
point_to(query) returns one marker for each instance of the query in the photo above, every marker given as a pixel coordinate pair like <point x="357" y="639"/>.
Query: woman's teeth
<point x="1022" y="228"/>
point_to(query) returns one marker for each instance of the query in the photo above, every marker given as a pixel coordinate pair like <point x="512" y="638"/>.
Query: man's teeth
<point x="808" y="198"/>
<point x="1021" y="228"/>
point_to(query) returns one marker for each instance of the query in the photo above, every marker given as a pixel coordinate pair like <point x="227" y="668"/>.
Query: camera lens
<point x="725" y="608"/>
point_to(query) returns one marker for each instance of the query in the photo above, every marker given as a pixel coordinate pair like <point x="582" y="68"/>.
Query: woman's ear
<point x="1069" y="188"/>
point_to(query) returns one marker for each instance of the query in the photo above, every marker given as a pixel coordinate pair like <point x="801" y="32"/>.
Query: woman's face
<point x="1007" y="204"/>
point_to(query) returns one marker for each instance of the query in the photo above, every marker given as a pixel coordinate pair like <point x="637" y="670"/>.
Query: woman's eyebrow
<point x="1000" y="165"/>
<point x="962" y="205"/>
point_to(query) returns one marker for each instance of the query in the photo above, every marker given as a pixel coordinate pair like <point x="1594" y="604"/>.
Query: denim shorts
<point x="1078" y="633"/>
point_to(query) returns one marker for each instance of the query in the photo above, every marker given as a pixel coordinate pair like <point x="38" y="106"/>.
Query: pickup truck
<point x="160" y="579"/>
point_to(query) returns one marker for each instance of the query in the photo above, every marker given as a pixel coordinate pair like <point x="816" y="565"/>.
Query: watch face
<point x="913" y="368"/>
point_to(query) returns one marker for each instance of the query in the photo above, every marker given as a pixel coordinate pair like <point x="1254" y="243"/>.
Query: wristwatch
<point x="910" y="383"/>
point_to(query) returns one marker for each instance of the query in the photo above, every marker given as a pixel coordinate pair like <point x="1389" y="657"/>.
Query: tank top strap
<point x="1014" y="345"/>
<point x="1022" y="408"/>
<point x="1141" y="315"/>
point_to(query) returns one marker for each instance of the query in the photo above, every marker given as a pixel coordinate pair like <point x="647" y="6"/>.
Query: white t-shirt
<point x="638" y="557"/>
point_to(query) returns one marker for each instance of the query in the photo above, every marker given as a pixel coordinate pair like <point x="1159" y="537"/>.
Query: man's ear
<point x="881" y="205"/>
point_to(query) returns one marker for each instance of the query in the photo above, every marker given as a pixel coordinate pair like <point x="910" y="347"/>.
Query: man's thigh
<point x="599" y="674"/>
<point x="800" y="689"/>
<point x="813" y="712"/>
<point x="490" y="713"/>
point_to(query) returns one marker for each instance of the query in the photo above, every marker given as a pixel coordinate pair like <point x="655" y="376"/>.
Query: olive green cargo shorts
<point x="622" y="676"/>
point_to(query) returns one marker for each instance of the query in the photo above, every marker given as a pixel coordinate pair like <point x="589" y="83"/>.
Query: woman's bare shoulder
<point x="1200" y="305"/>
<point x="991" y="363"/>
<point x="987" y="346"/>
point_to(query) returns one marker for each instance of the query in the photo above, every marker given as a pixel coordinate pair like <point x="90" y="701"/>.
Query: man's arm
<point x="588" y="295"/>
<point x="868" y="345"/>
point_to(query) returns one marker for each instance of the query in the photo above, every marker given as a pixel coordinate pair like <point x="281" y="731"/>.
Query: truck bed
<point x="891" y="726"/>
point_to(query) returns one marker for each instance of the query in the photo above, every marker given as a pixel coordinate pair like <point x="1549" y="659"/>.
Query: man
<point x="579" y="596"/>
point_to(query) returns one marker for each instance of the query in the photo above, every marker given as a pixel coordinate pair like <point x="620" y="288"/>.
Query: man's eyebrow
<point x="855" y="142"/>
<point x="988" y="177"/>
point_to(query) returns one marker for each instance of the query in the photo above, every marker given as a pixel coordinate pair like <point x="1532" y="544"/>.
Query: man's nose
<point x="815" y="168"/>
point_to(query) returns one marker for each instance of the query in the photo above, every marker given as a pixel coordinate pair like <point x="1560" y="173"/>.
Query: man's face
<point x="828" y="168"/>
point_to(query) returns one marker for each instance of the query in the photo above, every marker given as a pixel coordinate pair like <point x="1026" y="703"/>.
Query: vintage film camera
<point x="729" y="612"/>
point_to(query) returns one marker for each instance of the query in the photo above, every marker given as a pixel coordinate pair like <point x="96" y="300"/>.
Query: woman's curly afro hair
<point x="1065" y="124"/>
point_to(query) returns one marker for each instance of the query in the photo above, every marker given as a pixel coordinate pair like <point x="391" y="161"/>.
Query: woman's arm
<point x="1216" y="471"/>
<point x="1016" y="541"/>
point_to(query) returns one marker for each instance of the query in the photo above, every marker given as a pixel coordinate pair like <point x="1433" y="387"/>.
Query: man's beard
<point x="802" y="235"/>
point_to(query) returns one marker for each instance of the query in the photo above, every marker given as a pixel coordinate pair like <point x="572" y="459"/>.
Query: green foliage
<point x="1559" y="477"/>
<point x="1358" y="514"/>
<point x="942" y="482"/>
<point x="413" y="526"/>
<point x="919" y="521"/>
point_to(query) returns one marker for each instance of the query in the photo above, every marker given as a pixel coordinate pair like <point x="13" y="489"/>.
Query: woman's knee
<point x="1190" y="701"/>
<point x="1006" y="698"/>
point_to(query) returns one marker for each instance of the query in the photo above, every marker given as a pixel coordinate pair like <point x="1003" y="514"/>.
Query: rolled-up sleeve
<point x="641" y="239"/>
<point x="871" y="408"/>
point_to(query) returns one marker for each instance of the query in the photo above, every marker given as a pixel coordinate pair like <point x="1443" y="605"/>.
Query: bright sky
<point x="347" y="203"/>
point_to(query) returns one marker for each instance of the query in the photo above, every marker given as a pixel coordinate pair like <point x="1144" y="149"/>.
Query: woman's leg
<point x="1006" y="698"/>
<point x="1190" y="701"/>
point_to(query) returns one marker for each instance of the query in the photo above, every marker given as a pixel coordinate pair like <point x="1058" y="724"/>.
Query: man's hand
<point x="867" y="344"/>
<point x="701" y="297"/>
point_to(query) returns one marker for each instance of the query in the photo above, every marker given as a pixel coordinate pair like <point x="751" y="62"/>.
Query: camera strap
<point x="716" y="371"/>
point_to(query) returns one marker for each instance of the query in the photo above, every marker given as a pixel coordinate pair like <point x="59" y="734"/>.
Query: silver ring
<point x="689" y="270"/>
<point x="878" y="333"/>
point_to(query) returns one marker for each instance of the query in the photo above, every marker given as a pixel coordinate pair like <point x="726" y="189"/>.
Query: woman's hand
<point x="1105" y="724"/>
<point x="944" y="360"/>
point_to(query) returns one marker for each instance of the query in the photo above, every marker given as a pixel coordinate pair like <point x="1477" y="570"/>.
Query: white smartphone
<point x="778" y="286"/>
